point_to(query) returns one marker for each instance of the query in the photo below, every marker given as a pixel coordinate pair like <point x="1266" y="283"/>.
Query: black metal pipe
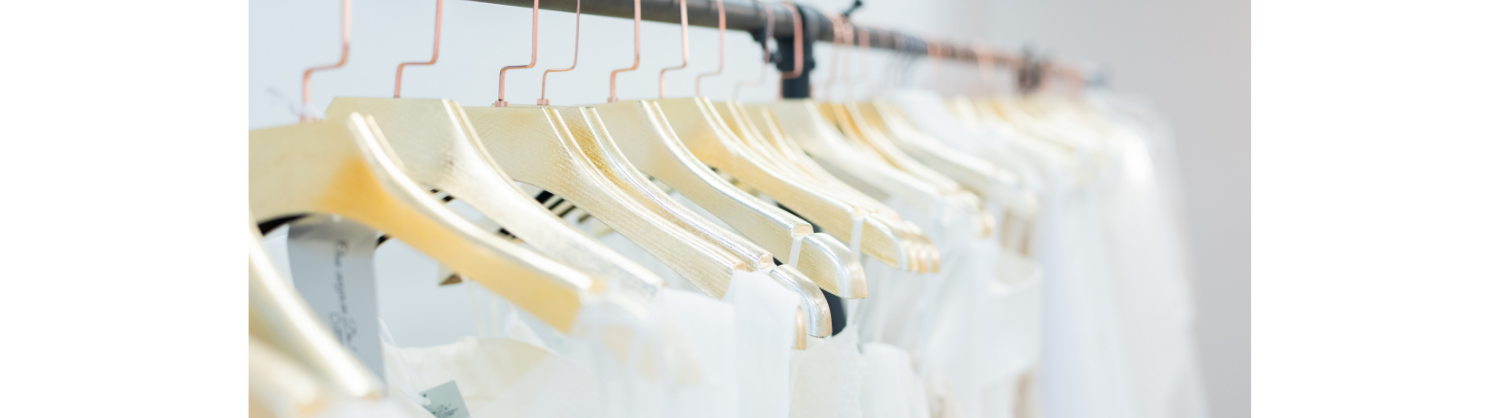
<point x="743" y="15"/>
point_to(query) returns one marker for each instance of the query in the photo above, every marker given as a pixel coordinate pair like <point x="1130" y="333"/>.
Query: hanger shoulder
<point x="343" y="167"/>
<point x="887" y="245"/>
<point x="702" y="131"/>
<point x="281" y="387"/>
<point x="883" y="145"/>
<point x="975" y="174"/>
<point x="534" y="146"/>
<point x="596" y="137"/>
<point x="438" y="147"/>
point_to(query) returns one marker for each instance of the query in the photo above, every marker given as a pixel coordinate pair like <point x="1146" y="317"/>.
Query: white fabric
<point x="826" y="377"/>
<point x="765" y="322"/>
<point x="498" y="377"/>
<point x="749" y="360"/>
<point x="889" y="387"/>
<point x="1116" y="339"/>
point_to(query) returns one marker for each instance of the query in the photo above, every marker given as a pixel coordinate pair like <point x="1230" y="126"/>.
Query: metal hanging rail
<point x="748" y="16"/>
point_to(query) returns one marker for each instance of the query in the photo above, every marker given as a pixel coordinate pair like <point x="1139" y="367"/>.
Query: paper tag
<point x="444" y="401"/>
<point x="332" y="264"/>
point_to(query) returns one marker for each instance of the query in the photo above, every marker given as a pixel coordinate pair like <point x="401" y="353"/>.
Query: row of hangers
<point x="382" y="161"/>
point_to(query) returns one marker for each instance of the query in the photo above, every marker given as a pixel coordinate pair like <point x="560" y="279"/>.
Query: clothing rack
<point x="744" y="15"/>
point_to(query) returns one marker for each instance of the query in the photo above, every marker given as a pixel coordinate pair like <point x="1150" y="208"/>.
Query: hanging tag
<point x="444" y="401"/>
<point x="332" y="265"/>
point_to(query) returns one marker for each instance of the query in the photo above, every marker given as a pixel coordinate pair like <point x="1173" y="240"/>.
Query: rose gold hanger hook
<point x="348" y="16"/>
<point x="796" y="47"/>
<point x="437" y="40"/>
<point x="898" y="55"/>
<point x="982" y="58"/>
<point x="765" y="59"/>
<point x="534" y="8"/>
<point x="577" y="26"/>
<point x="833" y="67"/>
<point x="698" y="84"/>
<point x="661" y="80"/>
<point x="634" y="64"/>
<point x="848" y="58"/>
<point x="864" y="61"/>
<point x="934" y="55"/>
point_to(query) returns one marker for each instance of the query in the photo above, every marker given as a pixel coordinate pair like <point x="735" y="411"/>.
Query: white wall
<point x="1190" y="57"/>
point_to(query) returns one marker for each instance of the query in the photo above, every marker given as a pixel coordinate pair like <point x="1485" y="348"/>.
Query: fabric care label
<point x="332" y="264"/>
<point x="444" y="401"/>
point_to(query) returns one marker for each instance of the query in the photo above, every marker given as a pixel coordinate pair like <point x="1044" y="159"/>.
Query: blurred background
<point x="1190" y="58"/>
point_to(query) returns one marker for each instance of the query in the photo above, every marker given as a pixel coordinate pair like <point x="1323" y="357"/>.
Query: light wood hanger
<point x="702" y="132"/>
<point x="832" y="219"/>
<point x="861" y="188"/>
<point x="344" y="167"/>
<point x="438" y="148"/>
<point x="656" y="136"/>
<point x="892" y="246"/>
<point x="281" y="387"/>
<point x="974" y="174"/>
<point x="589" y="128"/>
<point x="535" y="146"/>
<point x="280" y="318"/>
<point x="875" y="142"/>
<point x="590" y="132"/>
<point x="569" y="137"/>
<point x="627" y="122"/>
<point x="803" y="123"/>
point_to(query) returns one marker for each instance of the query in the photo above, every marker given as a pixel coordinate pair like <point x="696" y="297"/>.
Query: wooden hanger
<point x="438" y="148"/>
<point x="344" y="167"/>
<point x="534" y="145"/>
<point x="656" y="137"/>
<point x="954" y="193"/>
<point x="589" y="130"/>
<point x="861" y="191"/>
<point x="647" y="130"/>
<point x="892" y="246"/>
<point x="281" y="387"/>
<point x="640" y="125"/>
<point x="280" y="318"/>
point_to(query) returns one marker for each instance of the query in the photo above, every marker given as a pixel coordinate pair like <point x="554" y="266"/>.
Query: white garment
<point x="1117" y="335"/>
<point x="967" y="324"/>
<point x="765" y="322"/>
<point x="1013" y="305"/>
<point x="497" y="377"/>
<point x="826" y="377"/>
<point x="889" y="387"/>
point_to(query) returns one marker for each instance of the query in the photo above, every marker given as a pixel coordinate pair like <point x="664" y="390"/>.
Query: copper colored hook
<point x="934" y="55"/>
<point x="661" y="80"/>
<point x="984" y="65"/>
<point x="796" y="46"/>
<point x="577" y="22"/>
<point x="864" y="61"/>
<point x="437" y="40"/>
<point x="348" y="16"/>
<point x="833" y="67"/>
<point x="634" y="64"/>
<point x="765" y="52"/>
<point x="534" y="8"/>
<point x="698" y="84"/>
